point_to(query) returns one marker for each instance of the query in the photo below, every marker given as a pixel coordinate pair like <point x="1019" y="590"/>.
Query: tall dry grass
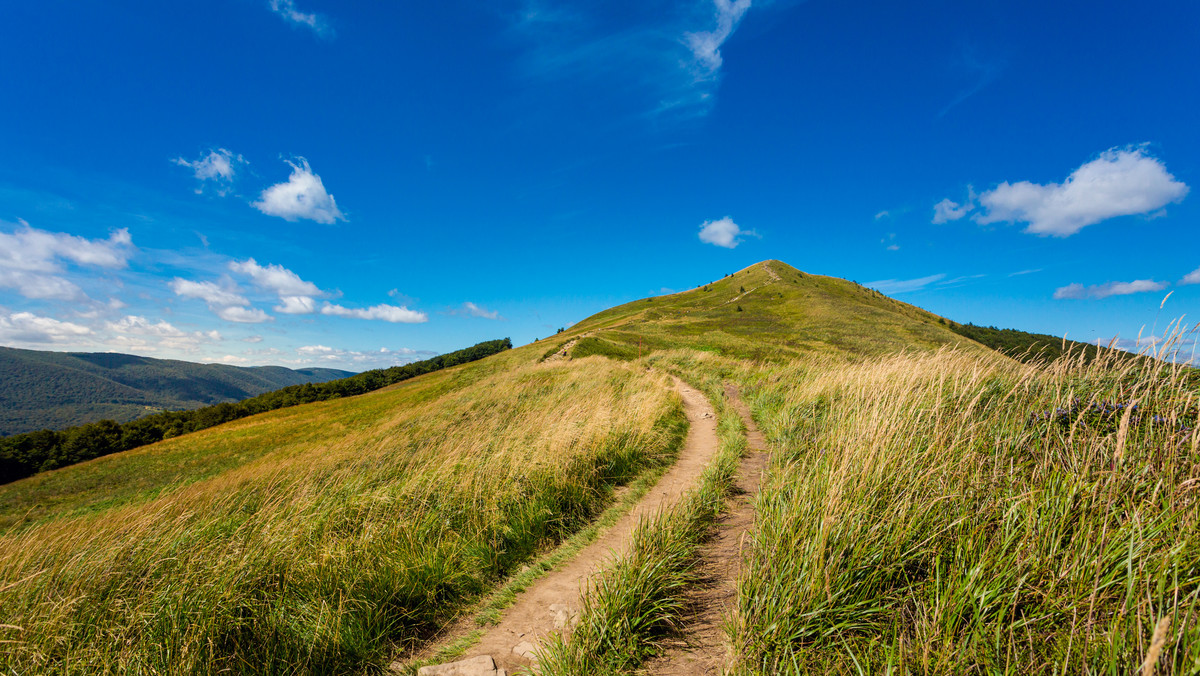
<point x="318" y="558"/>
<point x="952" y="513"/>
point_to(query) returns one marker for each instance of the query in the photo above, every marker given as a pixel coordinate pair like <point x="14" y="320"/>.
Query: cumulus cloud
<point x="138" y="332"/>
<point x="905" y="285"/>
<point x="1192" y="277"/>
<point x="723" y="233"/>
<point x="217" y="170"/>
<point x="470" y="309"/>
<point x="388" y="313"/>
<point x="295" y="294"/>
<point x="226" y="303"/>
<point x="1120" y="182"/>
<point x="28" y="328"/>
<point x="303" y="196"/>
<point x="1079" y="291"/>
<point x="34" y="261"/>
<point x="311" y="20"/>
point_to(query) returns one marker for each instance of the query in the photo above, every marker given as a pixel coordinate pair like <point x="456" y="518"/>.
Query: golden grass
<point x="327" y="553"/>
<point x="924" y="514"/>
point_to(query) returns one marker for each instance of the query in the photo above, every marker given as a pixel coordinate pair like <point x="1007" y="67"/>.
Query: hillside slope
<point x="55" y="390"/>
<point x="928" y="505"/>
<point x="771" y="311"/>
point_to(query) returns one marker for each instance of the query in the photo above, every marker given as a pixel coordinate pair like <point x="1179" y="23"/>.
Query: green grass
<point x="642" y="597"/>
<point x="330" y="551"/>
<point x="918" y="518"/>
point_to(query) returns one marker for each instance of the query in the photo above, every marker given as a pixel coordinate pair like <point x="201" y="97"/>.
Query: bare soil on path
<point x="553" y="601"/>
<point x="704" y="648"/>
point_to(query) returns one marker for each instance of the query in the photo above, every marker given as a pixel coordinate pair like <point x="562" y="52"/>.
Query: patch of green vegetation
<point x="591" y="345"/>
<point x="55" y="390"/>
<point x="1025" y="346"/>
<point x="27" y="454"/>
<point x="640" y="599"/>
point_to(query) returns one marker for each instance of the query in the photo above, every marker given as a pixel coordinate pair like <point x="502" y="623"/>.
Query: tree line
<point x="27" y="454"/>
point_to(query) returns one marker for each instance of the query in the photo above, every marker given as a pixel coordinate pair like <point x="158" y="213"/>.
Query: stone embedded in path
<point x="527" y="650"/>
<point x="563" y="617"/>
<point x="483" y="665"/>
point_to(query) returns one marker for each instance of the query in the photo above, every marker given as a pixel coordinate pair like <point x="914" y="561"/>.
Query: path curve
<point x="704" y="648"/>
<point x="552" y="601"/>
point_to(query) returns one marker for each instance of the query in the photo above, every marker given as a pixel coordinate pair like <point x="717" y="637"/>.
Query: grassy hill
<point x="55" y="390"/>
<point x="930" y="506"/>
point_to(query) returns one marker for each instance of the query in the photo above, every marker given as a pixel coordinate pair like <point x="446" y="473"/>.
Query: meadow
<point x="931" y="506"/>
<point x="338" y="532"/>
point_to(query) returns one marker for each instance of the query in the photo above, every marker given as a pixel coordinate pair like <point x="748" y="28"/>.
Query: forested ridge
<point x="26" y="454"/>
<point x="56" y="390"/>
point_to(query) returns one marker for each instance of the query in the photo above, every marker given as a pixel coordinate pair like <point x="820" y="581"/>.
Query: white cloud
<point x="360" y="360"/>
<point x="706" y="45"/>
<point x="311" y="20"/>
<point x="33" y="261"/>
<point x="227" y="303"/>
<point x="163" y="334"/>
<point x="883" y="214"/>
<point x="664" y="58"/>
<point x="1079" y="291"/>
<point x="218" y="168"/>
<point x="1192" y="277"/>
<point x="904" y="285"/>
<point x="243" y="315"/>
<point x="470" y="309"/>
<point x="1120" y="182"/>
<point x="296" y="305"/>
<point x="208" y="292"/>
<point x="387" y="313"/>
<point x="303" y="196"/>
<point x="295" y="294"/>
<point x="26" y="327"/>
<point x="252" y="339"/>
<point x="949" y="210"/>
<point x="724" y="233"/>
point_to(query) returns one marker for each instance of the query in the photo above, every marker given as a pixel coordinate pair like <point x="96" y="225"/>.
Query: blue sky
<point x="359" y="184"/>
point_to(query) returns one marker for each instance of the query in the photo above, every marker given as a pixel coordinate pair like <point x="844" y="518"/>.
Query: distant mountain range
<point x="54" y="390"/>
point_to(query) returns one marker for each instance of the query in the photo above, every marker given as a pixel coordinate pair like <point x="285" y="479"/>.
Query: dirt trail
<point x="554" y="600"/>
<point x="704" y="649"/>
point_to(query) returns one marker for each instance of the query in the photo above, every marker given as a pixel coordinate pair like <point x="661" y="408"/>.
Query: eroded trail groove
<point x="704" y="647"/>
<point x="551" y="602"/>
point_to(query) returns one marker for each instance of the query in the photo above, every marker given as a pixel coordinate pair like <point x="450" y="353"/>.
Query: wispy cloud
<point x="723" y="233"/>
<point x="360" y="359"/>
<point x="216" y="170"/>
<point x="980" y="72"/>
<point x="1098" y="291"/>
<point x="1192" y="277"/>
<point x="469" y="309"/>
<point x="1120" y="182"/>
<point x="317" y="23"/>
<point x="397" y="314"/>
<point x="1018" y="273"/>
<point x="890" y="286"/>
<point x="303" y="196"/>
<point x="673" y="57"/>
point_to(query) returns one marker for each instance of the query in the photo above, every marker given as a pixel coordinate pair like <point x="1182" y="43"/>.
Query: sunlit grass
<point x="921" y="517"/>
<point x="327" y="554"/>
